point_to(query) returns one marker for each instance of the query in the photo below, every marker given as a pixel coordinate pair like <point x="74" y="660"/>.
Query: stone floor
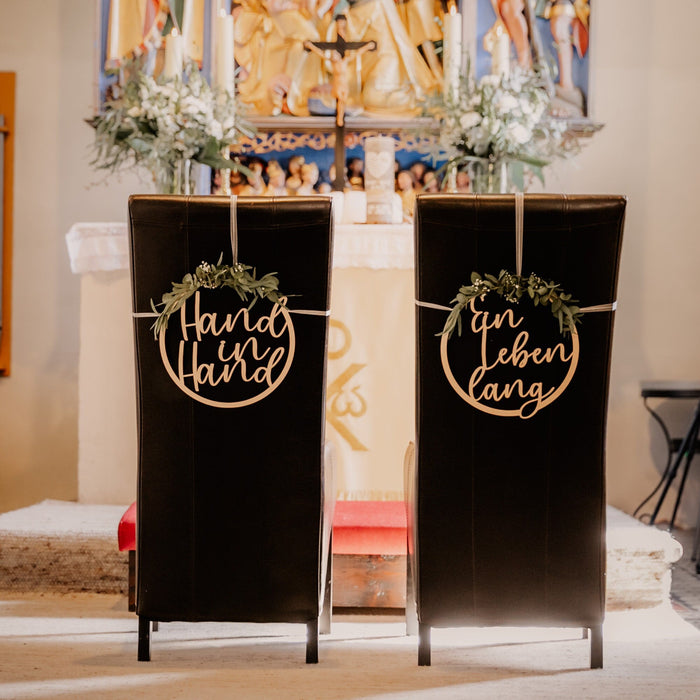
<point x="685" y="581"/>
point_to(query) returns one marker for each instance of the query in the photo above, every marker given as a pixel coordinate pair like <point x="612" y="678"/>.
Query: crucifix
<point x="340" y="83"/>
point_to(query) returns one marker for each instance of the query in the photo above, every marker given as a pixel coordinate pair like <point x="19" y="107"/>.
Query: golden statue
<point x="422" y="19"/>
<point x="278" y="74"/>
<point x="394" y="77"/>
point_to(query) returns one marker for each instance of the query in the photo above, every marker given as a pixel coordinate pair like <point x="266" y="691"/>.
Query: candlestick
<point x="174" y="55"/>
<point x="452" y="51"/>
<point x="500" y="59"/>
<point x="224" y="64"/>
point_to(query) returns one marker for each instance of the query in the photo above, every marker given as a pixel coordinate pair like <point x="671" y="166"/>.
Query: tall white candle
<point x="500" y="59"/>
<point x="223" y="67"/>
<point x="174" y="55"/>
<point x="452" y="51"/>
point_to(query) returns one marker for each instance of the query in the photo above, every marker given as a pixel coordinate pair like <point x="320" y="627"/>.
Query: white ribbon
<point x="519" y="231"/>
<point x="598" y="307"/>
<point x="234" y="228"/>
<point x="585" y="310"/>
<point x="310" y="312"/>
<point x="428" y="305"/>
<point x="304" y="312"/>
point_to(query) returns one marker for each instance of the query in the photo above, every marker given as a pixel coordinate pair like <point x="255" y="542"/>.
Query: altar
<point x="370" y="397"/>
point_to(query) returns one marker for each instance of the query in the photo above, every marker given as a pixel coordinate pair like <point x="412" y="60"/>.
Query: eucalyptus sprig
<point x="207" y="276"/>
<point x="513" y="288"/>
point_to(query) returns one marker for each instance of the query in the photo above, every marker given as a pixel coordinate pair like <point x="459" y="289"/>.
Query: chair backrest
<point x="510" y="486"/>
<point x="231" y="411"/>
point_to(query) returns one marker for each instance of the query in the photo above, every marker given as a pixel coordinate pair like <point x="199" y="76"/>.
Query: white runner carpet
<point x="84" y="646"/>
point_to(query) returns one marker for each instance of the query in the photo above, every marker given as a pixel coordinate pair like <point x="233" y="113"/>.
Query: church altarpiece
<point x="388" y="55"/>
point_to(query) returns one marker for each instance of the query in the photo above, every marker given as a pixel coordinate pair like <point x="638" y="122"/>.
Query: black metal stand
<point x="688" y="445"/>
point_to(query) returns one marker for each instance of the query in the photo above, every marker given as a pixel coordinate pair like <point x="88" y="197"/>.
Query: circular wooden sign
<point x="223" y="354"/>
<point x="511" y="360"/>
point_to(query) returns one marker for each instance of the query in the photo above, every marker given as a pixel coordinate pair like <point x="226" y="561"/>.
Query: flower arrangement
<point x="513" y="288"/>
<point x="501" y="123"/>
<point x="160" y="123"/>
<point x="207" y="276"/>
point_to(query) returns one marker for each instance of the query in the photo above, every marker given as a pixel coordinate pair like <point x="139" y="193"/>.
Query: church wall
<point x="52" y="52"/>
<point x="644" y="87"/>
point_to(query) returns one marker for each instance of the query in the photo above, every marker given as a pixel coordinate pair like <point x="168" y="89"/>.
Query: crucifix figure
<point x="340" y="83"/>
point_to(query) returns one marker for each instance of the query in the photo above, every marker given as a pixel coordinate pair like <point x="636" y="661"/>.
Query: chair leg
<point x="411" y="616"/>
<point x="132" y="580"/>
<point x="312" y="642"/>
<point x="423" y="644"/>
<point x="144" y="651"/>
<point x="597" y="646"/>
<point x="327" y="610"/>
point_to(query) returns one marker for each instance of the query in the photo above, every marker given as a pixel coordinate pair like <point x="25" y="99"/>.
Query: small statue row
<point x="270" y="179"/>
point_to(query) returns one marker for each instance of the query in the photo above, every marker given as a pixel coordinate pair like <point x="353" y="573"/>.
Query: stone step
<point x="65" y="546"/>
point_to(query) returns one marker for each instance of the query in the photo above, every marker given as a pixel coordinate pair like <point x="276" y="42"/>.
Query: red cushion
<point x="369" y="527"/>
<point x="127" y="529"/>
<point x="359" y="527"/>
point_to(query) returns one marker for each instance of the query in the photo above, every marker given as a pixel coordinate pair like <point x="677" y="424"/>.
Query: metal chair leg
<point x="597" y="646"/>
<point x="312" y="642"/>
<point x="423" y="644"/>
<point x="696" y="545"/>
<point x="144" y="650"/>
<point x="132" y="580"/>
<point x="411" y="612"/>
<point x="327" y="610"/>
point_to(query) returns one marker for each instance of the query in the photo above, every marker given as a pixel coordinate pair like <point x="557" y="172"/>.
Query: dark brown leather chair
<point x="235" y="495"/>
<point x="506" y="490"/>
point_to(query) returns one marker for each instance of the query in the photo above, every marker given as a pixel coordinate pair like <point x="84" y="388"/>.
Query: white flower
<point x="507" y="103"/>
<point x="495" y="125"/>
<point x="193" y="105"/>
<point x="216" y="130"/>
<point x="469" y="120"/>
<point x="492" y="80"/>
<point x="518" y="133"/>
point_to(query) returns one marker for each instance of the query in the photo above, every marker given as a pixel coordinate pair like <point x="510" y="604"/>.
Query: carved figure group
<point x="286" y="49"/>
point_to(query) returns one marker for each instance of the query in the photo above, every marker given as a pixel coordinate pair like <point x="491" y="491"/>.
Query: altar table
<point x="370" y="402"/>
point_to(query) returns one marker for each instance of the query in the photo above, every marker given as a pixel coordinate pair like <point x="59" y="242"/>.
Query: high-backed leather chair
<point x="235" y="494"/>
<point x="506" y="488"/>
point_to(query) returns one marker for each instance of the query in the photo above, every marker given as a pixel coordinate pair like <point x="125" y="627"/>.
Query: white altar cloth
<point x="370" y="405"/>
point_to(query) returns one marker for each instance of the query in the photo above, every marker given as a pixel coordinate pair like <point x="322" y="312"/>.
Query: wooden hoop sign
<point x="523" y="363"/>
<point x="228" y="358"/>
